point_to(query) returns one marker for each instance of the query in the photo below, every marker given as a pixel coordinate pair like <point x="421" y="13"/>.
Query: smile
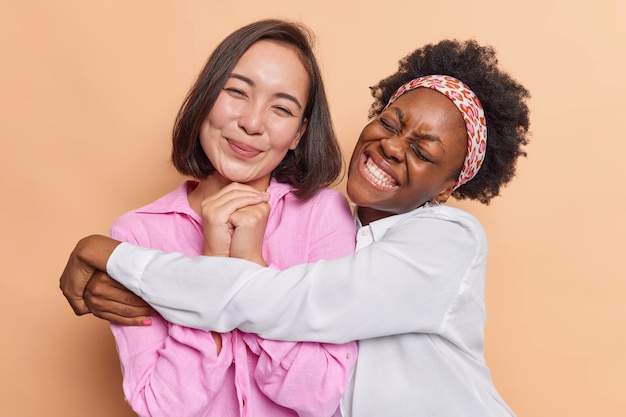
<point x="377" y="176"/>
<point x="242" y="149"/>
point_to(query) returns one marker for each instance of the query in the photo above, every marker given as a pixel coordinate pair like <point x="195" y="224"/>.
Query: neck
<point x="368" y="215"/>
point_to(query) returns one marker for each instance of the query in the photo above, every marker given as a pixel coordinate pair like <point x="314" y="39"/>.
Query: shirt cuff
<point x="127" y="264"/>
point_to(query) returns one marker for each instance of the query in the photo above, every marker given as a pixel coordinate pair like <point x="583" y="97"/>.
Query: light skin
<point x="256" y="119"/>
<point x="409" y="155"/>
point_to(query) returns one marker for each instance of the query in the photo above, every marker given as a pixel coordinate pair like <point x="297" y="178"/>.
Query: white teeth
<point x="378" y="175"/>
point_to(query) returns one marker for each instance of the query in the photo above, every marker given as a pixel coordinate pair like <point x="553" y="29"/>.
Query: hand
<point x="217" y="224"/>
<point x="249" y="231"/>
<point x="90" y="254"/>
<point x="111" y="301"/>
<point x="216" y="215"/>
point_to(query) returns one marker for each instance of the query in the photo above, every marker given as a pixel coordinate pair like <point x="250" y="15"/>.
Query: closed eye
<point x="284" y="110"/>
<point x="388" y="126"/>
<point x="417" y="151"/>
<point x="235" y="92"/>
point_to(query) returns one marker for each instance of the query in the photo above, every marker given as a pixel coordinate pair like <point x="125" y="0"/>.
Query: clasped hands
<point x="234" y="221"/>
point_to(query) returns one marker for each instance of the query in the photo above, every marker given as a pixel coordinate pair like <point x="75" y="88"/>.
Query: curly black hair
<point x="502" y="97"/>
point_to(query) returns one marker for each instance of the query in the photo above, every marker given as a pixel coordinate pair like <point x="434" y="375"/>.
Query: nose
<point x="252" y="120"/>
<point x="394" y="148"/>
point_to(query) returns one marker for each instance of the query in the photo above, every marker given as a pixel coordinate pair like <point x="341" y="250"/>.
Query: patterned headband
<point x="468" y="104"/>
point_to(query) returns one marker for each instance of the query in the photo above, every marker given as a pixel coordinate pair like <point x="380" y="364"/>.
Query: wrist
<point x="95" y="250"/>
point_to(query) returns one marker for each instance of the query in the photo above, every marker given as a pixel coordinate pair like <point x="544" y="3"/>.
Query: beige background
<point x="88" y="94"/>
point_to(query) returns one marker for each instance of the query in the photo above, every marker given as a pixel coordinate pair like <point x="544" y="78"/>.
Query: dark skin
<point x="409" y="155"/>
<point x="111" y="301"/>
<point x="86" y="260"/>
<point x="419" y="142"/>
<point x="90" y="290"/>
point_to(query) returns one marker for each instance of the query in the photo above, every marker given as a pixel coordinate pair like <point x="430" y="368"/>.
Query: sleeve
<point x="179" y="375"/>
<point x="310" y="378"/>
<point x="167" y="369"/>
<point x="404" y="282"/>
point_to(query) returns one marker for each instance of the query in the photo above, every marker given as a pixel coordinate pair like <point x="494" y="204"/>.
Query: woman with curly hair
<point x="448" y="123"/>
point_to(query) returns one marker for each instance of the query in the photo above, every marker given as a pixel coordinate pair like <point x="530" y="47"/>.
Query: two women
<point x="448" y="123"/>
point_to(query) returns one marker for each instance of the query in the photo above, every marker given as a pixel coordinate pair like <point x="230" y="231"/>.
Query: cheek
<point x="371" y="131"/>
<point x="424" y="179"/>
<point x="207" y="131"/>
<point x="356" y="154"/>
<point x="223" y="111"/>
<point x="368" y="134"/>
<point x="283" y="134"/>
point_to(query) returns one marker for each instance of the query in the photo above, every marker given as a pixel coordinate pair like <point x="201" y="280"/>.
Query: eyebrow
<point x="424" y="136"/>
<point x="251" y="83"/>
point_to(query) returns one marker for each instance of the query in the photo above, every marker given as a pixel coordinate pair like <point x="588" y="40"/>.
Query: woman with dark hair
<point x="315" y="163"/>
<point x="257" y="120"/>
<point x="448" y="123"/>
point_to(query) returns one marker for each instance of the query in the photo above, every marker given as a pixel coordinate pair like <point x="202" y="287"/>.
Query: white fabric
<point x="413" y="294"/>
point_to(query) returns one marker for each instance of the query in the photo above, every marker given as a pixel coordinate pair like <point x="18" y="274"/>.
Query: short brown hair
<point x="315" y="163"/>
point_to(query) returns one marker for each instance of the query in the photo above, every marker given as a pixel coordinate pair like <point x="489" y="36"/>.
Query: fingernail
<point x="147" y="322"/>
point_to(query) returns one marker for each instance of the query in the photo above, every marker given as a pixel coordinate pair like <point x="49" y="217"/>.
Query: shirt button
<point x="365" y="232"/>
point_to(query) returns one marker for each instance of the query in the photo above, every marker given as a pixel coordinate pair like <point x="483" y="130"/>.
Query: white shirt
<point x="413" y="294"/>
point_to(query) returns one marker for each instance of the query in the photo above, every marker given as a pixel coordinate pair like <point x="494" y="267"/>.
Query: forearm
<point x="222" y="294"/>
<point x="178" y="287"/>
<point x="95" y="250"/>
<point x="90" y="255"/>
<point x="396" y="285"/>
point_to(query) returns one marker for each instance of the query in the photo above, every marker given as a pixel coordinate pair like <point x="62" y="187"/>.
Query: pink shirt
<point x="171" y="370"/>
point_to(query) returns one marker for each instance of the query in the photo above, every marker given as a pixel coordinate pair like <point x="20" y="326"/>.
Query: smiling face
<point x="258" y="115"/>
<point x="410" y="154"/>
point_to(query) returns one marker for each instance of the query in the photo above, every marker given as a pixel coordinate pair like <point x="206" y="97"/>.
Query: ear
<point x="299" y="134"/>
<point x="445" y="192"/>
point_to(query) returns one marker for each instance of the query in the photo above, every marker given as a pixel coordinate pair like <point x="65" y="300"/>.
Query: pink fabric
<point x="171" y="370"/>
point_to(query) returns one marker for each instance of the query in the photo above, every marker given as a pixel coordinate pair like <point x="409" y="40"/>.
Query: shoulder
<point x="442" y="225"/>
<point x="454" y="215"/>
<point x="326" y="210"/>
<point x="330" y="196"/>
<point x="328" y="205"/>
<point x="130" y="225"/>
<point x="326" y="198"/>
<point x="140" y="219"/>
